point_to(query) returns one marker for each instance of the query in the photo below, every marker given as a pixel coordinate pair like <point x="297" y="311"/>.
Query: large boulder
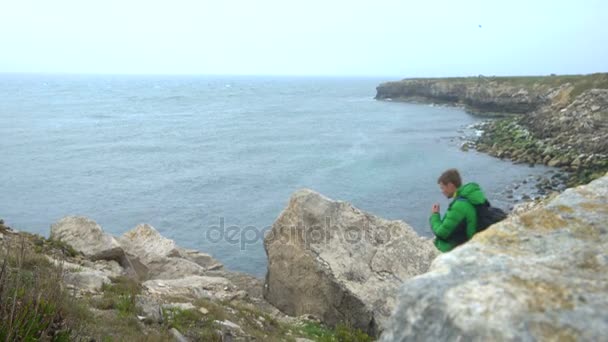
<point x="342" y="265"/>
<point x="537" y="276"/>
<point x="164" y="259"/>
<point x="87" y="237"/>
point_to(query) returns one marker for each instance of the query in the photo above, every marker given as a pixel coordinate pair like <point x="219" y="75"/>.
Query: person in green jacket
<point x="460" y="221"/>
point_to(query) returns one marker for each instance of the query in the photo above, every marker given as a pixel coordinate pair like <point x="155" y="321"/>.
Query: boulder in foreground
<point x="342" y="265"/>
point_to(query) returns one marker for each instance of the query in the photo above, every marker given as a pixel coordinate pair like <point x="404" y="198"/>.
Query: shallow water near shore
<point x="190" y="154"/>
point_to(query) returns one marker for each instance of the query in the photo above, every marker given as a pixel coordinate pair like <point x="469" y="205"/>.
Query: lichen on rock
<point x="540" y="275"/>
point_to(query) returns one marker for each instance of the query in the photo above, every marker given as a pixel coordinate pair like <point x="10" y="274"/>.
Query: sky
<point x="429" y="38"/>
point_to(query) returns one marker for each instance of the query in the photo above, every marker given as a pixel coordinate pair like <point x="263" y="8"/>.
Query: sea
<point x="211" y="161"/>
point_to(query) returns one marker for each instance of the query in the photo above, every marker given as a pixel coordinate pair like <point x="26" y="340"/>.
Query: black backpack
<point x="487" y="215"/>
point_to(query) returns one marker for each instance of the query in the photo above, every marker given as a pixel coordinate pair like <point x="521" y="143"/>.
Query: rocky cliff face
<point x="560" y="121"/>
<point x="342" y="265"/>
<point x="478" y="94"/>
<point x="540" y="275"/>
<point x="574" y="138"/>
<point x="582" y="123"/>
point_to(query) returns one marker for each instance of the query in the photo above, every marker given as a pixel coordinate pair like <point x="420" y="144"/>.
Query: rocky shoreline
<point x="558" y="121"/>
<point x="333" y="266"/>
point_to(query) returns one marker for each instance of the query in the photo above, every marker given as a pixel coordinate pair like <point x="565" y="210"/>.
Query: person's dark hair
<point x="450" y="176"/>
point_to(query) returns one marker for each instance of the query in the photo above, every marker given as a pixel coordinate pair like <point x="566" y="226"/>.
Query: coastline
<point x="558" y="121"/>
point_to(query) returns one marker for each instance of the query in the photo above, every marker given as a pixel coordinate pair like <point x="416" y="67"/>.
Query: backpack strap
<point x="461" y="230"/>
<point x="486" y="203"/>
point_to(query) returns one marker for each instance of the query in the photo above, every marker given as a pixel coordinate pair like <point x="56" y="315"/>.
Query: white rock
<point x="230" y="325"/>
<point x="194" y="287"/>
<point x="331" y="260"/>
<point x="163" y="258"/>
<point x="180" y="306"/>
<point x="87" y="237"/>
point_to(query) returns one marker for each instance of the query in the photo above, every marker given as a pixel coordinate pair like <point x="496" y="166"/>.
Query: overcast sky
<point x="312" y="37"/>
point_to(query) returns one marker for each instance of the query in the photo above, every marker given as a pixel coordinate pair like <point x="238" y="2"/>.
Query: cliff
<point x="492" y="95"/>
<point x="560" y="121"/>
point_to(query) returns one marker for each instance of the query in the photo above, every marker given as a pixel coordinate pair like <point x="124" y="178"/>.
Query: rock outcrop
<point x="583" y="123"/>
<point x="170" y="270"/>
<point x="479" y="94"/>
<point x="483" y="95"/>
<point x="87" y="237"/>
<point x="331" y="260"/>
<point x="574" y="138"/>
<point x="163" y="258"/>
<point x="540" y="275"/>
<point x="141" y="248"/>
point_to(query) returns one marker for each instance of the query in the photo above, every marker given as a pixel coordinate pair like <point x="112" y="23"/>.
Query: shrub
<point x="31" y="297"/>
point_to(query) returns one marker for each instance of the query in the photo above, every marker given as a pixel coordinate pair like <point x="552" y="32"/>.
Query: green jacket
<point x="460" y="221"/>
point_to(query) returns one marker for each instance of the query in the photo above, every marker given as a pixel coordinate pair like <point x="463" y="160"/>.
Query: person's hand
<point x="435" y="208"/>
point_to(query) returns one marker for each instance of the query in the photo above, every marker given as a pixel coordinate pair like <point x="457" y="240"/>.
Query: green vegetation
<point x="342" y="333"/>
<point x="120" y="295"/>
<point x="193" y="324"/>
<point x="33" y="304"/>
<point x="50" y="247"/>
<point x="258" y="324"/>
<point x="65" y="248"/>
